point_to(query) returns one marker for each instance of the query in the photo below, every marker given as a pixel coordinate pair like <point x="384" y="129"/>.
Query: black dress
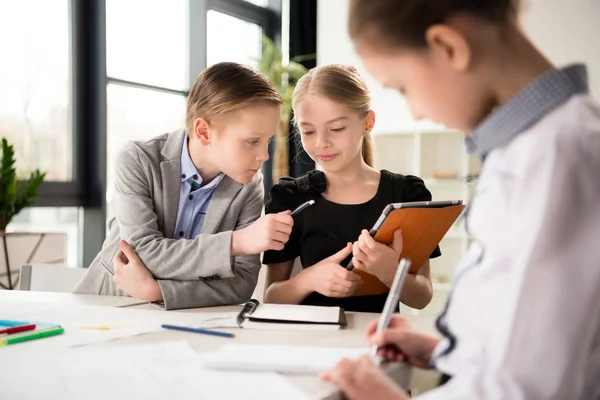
<point x="324" y="228"/>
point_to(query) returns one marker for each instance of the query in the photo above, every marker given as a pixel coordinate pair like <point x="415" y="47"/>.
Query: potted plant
<point x="15" y="194"/>
<point x="283" y="77"/>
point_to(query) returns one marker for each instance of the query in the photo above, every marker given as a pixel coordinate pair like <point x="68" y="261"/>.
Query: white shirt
<point x="525" y="307"/>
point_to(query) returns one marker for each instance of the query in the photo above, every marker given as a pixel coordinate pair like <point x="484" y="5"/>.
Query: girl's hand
<point x="362" y="379"/>
<point x="329" y="278"/>
<point x="376" y="258"/>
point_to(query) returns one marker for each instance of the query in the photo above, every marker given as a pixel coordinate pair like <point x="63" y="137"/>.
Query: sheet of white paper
<point x="91" y="324"/>
<point x="280" y="358"/>
<point x="160" y="371"/>
<point x="286" y="312"/>
<point x="215" y="320"/>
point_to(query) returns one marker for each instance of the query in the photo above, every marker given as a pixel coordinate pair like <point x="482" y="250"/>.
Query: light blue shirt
<point x="193" y="198"/>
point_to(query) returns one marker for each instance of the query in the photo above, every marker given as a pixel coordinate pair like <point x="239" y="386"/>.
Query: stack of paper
<point x="162" y="371"/>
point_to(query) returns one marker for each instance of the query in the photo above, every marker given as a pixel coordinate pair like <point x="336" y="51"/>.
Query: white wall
<point x="565" y="30"/>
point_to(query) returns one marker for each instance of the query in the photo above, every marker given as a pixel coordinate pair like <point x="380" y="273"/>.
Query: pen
<point x="302" y="207"/>
<point x="197" y="330"/>
<point x="31" y="336"/>
<point x="17" y="329"/>
<point x="391" y="302"/>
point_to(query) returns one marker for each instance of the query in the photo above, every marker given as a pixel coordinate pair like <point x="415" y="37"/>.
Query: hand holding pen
<point x="269" y="232"/>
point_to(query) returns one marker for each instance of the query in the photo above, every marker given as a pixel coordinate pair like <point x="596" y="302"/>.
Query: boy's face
<point x="240" y="141"/>
<point x="331" y="132"/>
<point x="433" y="88"/>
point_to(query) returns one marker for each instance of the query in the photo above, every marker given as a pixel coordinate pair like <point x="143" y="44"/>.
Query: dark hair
<point x="396" y="23"/>
<point x="226" y="87"/>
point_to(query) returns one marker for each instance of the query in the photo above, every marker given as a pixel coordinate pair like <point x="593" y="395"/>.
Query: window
<point x="232" y="39"/>
<point x="35" y="85"/>
<point x="147" y="42"/>
<point x="147" y="68"/>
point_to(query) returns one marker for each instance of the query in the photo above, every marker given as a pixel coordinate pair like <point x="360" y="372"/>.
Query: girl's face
<point x="331" y="133"/>
<point x="432" y="86"/>
<point x="239" y="143"/>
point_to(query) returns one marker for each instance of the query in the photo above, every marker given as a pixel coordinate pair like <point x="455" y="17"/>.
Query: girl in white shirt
<point x="523" y="318"/>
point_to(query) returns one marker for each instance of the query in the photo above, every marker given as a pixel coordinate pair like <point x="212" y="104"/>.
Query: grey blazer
<point x="199" y="272"/>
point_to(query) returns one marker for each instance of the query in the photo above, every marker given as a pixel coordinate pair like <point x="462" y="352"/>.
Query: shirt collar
<point x="189" y="171"/>
<point x="527" y="107"/>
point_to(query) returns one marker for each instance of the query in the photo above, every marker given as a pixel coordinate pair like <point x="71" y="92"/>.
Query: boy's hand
<point x="269" y="232"/>
<point x="329" y="278"/>
<point x="132" y="276"/>
<point x="376" y="258"/>
<point x="403" y="342"/>
<point x="362" y="379"/>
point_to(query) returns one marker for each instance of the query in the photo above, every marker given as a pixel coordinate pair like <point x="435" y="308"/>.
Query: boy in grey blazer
<point x="232" y="112"/>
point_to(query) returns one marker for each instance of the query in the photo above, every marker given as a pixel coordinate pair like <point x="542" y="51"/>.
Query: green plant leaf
<point x="14" y="194"/>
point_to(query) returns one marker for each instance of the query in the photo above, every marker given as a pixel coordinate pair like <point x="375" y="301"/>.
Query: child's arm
<point x="544" y="261"/>
<point x="207" y="255"/>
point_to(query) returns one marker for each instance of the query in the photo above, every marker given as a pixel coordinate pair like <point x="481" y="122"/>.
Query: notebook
<point x="255" y="315"/>
<point x="423" y="225"/>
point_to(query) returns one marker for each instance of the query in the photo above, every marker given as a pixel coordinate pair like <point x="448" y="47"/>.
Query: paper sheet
<point x="160" y="371"/>
<point x="280" y="358"/>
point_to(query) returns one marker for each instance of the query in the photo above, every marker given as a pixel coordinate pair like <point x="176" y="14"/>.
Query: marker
<point x="23" y="337"/>
<point x="197" y="330"/>
<point x="17" y="329"/>
<point x="302" y="207"/>
<point x="5" y="322"/>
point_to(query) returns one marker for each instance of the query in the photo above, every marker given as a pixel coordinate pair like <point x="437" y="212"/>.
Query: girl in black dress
<point x="332" y="113"/>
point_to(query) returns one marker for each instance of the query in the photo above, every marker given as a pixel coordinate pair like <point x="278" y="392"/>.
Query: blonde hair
<point x="342" y="84"/>
<point x="224" y="88"/>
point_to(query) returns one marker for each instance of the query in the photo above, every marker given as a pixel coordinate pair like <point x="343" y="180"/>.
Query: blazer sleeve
<point x="214" y="290"/>
<point x="138" y="224"/>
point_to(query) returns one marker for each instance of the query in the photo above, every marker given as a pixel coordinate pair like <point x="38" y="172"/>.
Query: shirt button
<point x="191" y="197"/>
<point x="180" y="233"/>
<point x="182" y="176"/>
<point x="195" y="177"/>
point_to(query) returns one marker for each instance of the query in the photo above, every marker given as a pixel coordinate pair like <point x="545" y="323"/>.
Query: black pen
<point x="302" y="207"/>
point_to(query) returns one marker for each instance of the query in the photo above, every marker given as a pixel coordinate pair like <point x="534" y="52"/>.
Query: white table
<point x="67" y="299"/>
<point x="353" y="335"/>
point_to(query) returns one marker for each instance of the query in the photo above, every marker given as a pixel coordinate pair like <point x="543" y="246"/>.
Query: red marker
<point x="17" y="329"/>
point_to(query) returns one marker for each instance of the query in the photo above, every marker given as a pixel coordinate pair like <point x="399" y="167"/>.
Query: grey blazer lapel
<point x="219" y="204"/>
<point x="170" y="170"/>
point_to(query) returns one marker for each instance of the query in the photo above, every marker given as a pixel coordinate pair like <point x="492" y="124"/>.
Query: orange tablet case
<point x="422" y="231"/>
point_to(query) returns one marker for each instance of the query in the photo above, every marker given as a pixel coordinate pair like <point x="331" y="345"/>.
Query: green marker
<point x="38" y="334"/>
